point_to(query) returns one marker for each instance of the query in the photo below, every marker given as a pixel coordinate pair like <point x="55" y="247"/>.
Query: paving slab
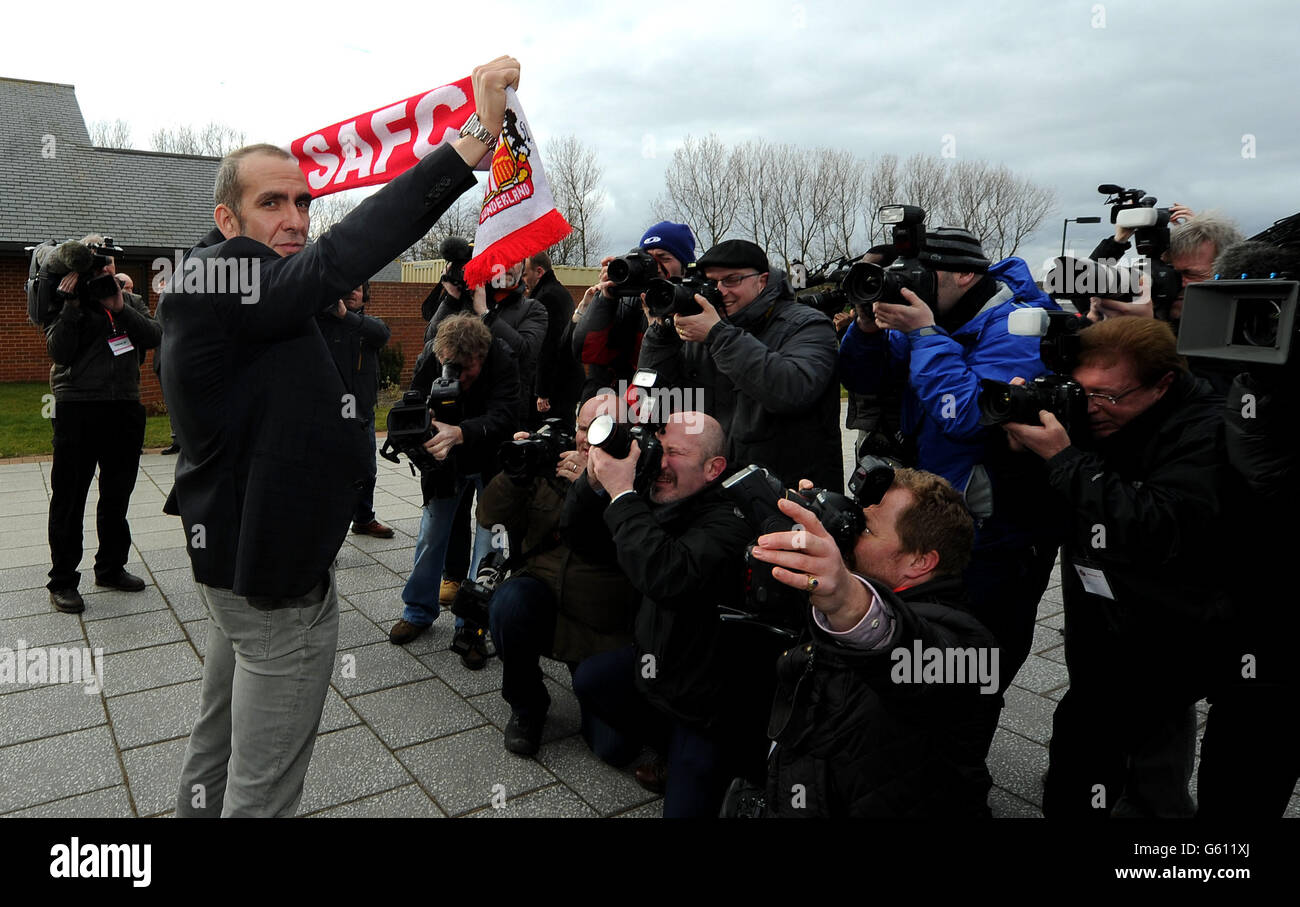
<point x="57" y="767"/>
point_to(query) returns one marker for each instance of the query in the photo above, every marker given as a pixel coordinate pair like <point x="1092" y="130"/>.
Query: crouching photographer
<point x="96" y="335"/>
<point x="569" y="600"/>
<point x="682" y="546"/>
<point x="1133" y="490"/>
<point x="881" y="710"/>
<point x="482" y="400"/>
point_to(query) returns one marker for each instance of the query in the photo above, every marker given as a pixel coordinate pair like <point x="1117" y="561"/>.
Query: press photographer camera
<point x="677" y="296"/>
<point x="1001" y="402"/>
<point x="457" y="252"/>
<point x="1135" y="213"/>
<point x="474" y="597"/>
<point x="50" y="263"/>
<point x="615" y="438"/>
<point x="411" y="424"/>
<point x="537" y="455"/>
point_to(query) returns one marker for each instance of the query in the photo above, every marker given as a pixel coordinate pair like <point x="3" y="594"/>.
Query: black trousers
<point x="106" y="434"/>
<point x="1250" y="754"/>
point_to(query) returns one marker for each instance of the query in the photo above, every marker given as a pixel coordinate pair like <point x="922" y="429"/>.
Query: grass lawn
<point x="25" y="425"/>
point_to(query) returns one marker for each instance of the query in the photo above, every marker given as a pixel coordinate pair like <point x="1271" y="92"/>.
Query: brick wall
<point x="22" y="345"/>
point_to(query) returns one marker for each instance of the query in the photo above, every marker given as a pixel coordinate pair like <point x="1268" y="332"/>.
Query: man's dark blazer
<point x="266" y="481"/>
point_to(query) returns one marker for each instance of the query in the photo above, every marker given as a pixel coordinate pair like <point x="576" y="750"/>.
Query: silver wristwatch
<point x="475" y="129"/>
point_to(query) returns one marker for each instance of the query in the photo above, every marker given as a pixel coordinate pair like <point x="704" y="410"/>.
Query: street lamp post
<point x="1078" y="220"/>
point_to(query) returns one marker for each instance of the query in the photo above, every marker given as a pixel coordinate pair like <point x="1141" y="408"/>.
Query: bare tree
<point x="575" y="181"/>
<point x="328" y="210"/>
<point x="461" y="219"/>
<point x="116" y="134"/>
<point x="763" y="189"/>
<point x="214" y="140"/>
<point x="884" y="187"/>
<point x="847" y="178"/>
<point x="701" y="189"/>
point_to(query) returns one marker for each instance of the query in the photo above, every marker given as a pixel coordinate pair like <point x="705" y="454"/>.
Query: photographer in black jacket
<point x="861" y="728"/>
<point x="1141" y="574"/>
<point x="355" y="339"/>
<point x="97" y="345"/>
<point x="559" y="377"/>
<point x="683" y="549"/>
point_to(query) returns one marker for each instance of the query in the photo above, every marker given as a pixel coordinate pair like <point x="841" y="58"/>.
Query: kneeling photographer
<point x="569" y="600"/>
<point x="96" y="334"/>
<point x="471" y="410"/>
<point x="1135" y="488"/>
<point x="881" y="711"/>
<point x="682" y="545"/>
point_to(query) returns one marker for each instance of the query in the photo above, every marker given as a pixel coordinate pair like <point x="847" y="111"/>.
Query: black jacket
<point x="355" y="341"/>
<point x="1144" y="506"/>
<point x="267" y="475"/>
<point x="686" y="559"/>
<point x="606" y="342"/>
<point x="488" y="410"/>
<point x="863" y="745"/>
<point x="514" y="318"/>
<point x="768" y="377"/>
<point x="559" y="378"/>
<point x="85" y="368"/>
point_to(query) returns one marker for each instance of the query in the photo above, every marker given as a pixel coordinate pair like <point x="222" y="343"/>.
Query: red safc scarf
<point x="374" y="147"/>
<point x="518" y="215"/>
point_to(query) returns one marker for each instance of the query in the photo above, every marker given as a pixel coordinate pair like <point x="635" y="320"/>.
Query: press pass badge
<point x="1094" y="581"/>
<point x="120" y="344"/>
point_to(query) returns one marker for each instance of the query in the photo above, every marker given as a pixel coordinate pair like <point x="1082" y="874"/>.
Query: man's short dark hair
<point x="936" y="520"/>
<point x="229" y="191"/>
<point x="461" y="338"/>
<point x="540" y="260"/>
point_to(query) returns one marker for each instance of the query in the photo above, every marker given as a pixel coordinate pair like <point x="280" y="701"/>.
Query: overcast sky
<point x="1160" y="95"/>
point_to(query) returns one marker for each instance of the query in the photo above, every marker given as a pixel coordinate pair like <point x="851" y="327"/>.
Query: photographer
<point x="765" y="364"/>
<point x="853" y="729"/>
<point x="1250" y="754"/>
<point x="609" y="324"/>
<point x="258" y="406"/>
<point x="683" y="549"/>
<point x="1141" y="577"/>
<point x="569" y="601"/>
<point x="488" y="405"/>
<point x="559" y="379"/>
<point x="355" y="339"/>
<point x="97" y="342"/>
<point x="940" y="349"/>
<point x="456" y="252"/>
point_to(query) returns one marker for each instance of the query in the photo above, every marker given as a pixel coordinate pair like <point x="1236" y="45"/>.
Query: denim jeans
<point x="436" y="523"/>
<point x="265" y="676"/>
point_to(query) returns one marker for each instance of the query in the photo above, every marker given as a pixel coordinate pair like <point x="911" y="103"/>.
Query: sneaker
<point x="120" y="580"/>
<point x="523" y="737"/>
<point x="375" y="528"/>
<point x="471" y="644"/>
<point x="403" y="632"/>
<point x="447" y="591"/>
<point x="69" y="601"/>
<point x="168" y="451"/>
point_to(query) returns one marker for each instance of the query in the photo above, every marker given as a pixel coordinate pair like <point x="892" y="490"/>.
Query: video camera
<point x="50" y="261"/>
<point x="754" y="491"/>
<point x="410" y="427"/>
<point x="1133" y="209"/>
<point x="537" y="455"/>
<point x="1248" y="316"/>
<point x="615" y="438"/>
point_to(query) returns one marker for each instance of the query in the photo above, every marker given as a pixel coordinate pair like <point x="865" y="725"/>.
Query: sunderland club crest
<point x="510" y="179"/>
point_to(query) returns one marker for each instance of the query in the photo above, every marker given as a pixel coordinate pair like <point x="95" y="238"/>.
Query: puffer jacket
<point x="853" y="742"/>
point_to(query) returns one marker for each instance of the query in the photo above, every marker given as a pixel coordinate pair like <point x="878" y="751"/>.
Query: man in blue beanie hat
<point x="607" y="336"/>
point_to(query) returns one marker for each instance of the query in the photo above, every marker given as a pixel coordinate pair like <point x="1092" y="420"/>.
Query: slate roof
<point x="146" y="200"/>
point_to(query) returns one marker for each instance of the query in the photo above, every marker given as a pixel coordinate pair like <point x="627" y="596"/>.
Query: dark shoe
<point x="653" y="776"/>
<point x="121" y="580"/>
<point x="524" y="737"/>
<point x="471" y="644"/>
<point x="375" y="528"/>
<point x="403" y="632"/>
<point x="69" y="601"/>
<point x="168" y="451"/>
